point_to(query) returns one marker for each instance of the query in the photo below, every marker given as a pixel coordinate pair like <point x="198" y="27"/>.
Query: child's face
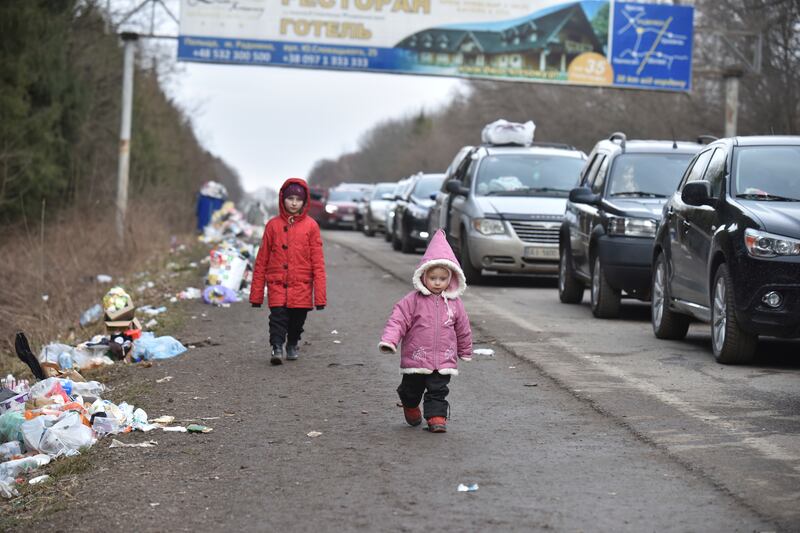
<point x="293" y="204"/>
<point x="436" y="279"/>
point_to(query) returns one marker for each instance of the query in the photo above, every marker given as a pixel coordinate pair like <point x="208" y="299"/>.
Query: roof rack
<point x="618" y="136"/>
<point x="706" y="139"/>
<point x="535" y="144"/>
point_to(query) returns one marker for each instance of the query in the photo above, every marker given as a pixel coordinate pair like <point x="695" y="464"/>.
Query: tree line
<point x="768" y="102"/>
<point x="60" y="92"/>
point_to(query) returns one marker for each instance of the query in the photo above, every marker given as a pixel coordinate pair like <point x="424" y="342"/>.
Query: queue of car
<point x="705" y="231"/>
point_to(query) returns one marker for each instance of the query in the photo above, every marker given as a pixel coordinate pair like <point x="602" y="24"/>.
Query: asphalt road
<point x="573" y="425"/>
<point x="738" y="427"/>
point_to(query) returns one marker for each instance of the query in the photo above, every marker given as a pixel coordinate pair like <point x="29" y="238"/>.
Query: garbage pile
<point x="228" y="223"/>
<point x="60" y="416"/>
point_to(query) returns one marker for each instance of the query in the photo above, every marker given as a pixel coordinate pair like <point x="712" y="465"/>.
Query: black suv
<point x="606" y="239"/>
<point x="410" y="229"/>
<point x="728" y="248"/>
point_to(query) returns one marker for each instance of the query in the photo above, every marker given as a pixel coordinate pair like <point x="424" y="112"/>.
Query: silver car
<point x="375" y="211"/>
<point x="505" y="205"/>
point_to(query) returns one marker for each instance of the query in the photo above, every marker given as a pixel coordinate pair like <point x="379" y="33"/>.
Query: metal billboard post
<point x="732" y="77"/>
<point x="130" y="40"/>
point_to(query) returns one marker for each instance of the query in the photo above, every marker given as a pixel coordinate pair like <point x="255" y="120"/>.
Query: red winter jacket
<point x="290" y="260"/>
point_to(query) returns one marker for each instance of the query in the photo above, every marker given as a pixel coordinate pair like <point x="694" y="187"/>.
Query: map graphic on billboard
<point x="521" y="40"/>
<point x="652" y="45"/>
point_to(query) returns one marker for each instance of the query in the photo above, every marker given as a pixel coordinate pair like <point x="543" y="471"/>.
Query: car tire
<point x="731" y="344"/>
<point x="605" y="299"/>
<point x="472" y="275"/>
<point x="570" y="289"/>
<point x="387" y="235"/>
<point x="405" y="243"/>
<point x="368" y="231"/>
<point x="667" y="324"/>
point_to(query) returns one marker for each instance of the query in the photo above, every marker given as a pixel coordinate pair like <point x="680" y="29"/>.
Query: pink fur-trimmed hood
<point x="439" y="253"/>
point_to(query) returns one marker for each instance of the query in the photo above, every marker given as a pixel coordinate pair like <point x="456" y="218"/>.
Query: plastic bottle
<point x="88" y="388"/>
<point x="26" y="464"/>
<point x="65" y="360"/>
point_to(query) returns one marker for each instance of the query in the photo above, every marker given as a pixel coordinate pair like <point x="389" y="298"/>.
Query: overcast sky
<point x="272" y="123"/>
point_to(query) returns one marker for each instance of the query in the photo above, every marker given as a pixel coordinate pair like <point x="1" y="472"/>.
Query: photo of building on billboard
<point x="541" y="46"/>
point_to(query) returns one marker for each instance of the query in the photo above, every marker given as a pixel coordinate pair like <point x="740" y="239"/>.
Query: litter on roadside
<point x="467" y="488"/>
<point x="313" y="434"/>
<point x="38" y="479"/>
<point x="197" y="428"/>
<point x="146" y="444"/>
<point x="483" y="351"/>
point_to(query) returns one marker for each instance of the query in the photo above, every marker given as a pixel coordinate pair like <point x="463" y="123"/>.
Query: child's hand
<point x="387" y="347"/>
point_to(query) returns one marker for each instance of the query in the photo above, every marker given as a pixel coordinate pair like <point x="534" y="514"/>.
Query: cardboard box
<point x="126" y="313"/>
<point x="15" y="403"/>
<point x="120" y="326"/>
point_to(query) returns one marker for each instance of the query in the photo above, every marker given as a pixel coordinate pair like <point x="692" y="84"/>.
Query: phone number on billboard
<point x="310" y="60"/>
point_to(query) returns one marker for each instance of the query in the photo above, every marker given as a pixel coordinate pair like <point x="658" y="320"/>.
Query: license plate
<point x="541" y="253"/>
<point x="348" y="218"/>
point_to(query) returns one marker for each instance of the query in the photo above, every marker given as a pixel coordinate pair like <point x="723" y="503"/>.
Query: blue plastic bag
<point x="148" y="347"/>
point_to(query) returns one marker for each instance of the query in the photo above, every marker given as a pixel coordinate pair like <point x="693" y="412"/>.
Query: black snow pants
<point x="286" y="322"/>
<point x="434" y="386"/>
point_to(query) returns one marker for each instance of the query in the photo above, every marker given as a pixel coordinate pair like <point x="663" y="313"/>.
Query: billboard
<point x="590" y="42"/>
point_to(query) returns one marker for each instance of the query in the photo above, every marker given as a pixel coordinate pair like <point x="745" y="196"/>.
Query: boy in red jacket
<point x="291" y="263"/>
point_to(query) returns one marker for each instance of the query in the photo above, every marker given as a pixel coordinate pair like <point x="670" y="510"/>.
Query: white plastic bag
<point x="66" y="437"/>
<point x="505" y="132"/>
<point x="32" y="430"/>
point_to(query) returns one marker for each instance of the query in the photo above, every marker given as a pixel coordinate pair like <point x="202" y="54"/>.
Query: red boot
<point x="413" y="415"/>
<point x="437" y="424"/>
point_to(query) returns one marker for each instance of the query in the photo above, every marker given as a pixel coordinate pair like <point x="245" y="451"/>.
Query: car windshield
<point x="427" y="186"/>
<point x="527" y="175"/>
<point x="647" y="175"/>
<point x="344" y="195"/>
<point x="768" y="173"/>
<point x="380" y="190"/>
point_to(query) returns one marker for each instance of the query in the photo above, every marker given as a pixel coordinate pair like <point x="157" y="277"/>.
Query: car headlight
<point x="763" y="244"/>
<point x="487" y="226"/>
<point x="632" y="227"/>
<point x="331" y="209"/>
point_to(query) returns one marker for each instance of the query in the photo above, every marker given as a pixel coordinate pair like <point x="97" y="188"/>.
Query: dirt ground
<point x="543" y="459"/>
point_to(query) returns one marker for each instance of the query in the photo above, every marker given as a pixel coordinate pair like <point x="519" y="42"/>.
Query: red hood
<point x="303" y="212"/>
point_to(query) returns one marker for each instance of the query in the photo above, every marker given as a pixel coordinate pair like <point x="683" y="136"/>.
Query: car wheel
<point x="368" y="230"/>
<point x="387" y="235"/>
<point x="405" y="243"/>
<point x="570" y="290"/>
<point x="471" y="274"/>
<point x="667" y="324"/>
<point x="731" y="344"/>
<point x="605" y="299"/>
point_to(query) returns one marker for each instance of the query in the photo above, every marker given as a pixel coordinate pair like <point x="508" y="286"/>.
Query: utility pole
<point x="129" y="40"/>
<point x="731" y="79"/>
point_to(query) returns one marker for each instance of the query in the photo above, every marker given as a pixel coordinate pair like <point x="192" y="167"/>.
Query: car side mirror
<point x="454" y="187"/>
<point x="388" y="197"/>
<point x="697" y="193"/>
<point x="583" y="195"/>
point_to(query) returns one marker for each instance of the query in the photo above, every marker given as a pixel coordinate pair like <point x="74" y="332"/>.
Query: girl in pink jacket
<point x="434" y="329"/>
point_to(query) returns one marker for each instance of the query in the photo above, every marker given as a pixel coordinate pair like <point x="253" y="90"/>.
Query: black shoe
<point x="291" y="352"/>
<point x="277" y="354"/>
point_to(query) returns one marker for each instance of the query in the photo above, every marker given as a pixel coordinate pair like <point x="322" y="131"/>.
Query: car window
<point x="715" y="173"/>
<point x="343" y="195"/>
<point x="699" y="167"/>
<point x="647" y="175"/>
<point x="600" y="179"/>
<point x="591" y="169"/>
<point x="426" y="186"/>
<point x="527" y="175"/>
<point x="767" y="173"/>
<point x="469" y="175"/>
<point x="382" y="189"/>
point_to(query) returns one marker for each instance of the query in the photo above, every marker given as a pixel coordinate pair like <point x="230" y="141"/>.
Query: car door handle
<point x="685" y="225"/>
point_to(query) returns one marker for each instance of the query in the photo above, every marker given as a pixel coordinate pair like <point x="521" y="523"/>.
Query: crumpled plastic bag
<point x="33" y="430"/>
<point x="505" y="132"/>
<point x="66" y="437"/>
<point x="82" y="357"/>
<point x="219" y="294"/>
<point x="10" y="423"/>
<point x="148" y="347"/>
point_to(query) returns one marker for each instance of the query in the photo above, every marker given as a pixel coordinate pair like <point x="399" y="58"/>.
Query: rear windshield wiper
<point x="640" y="194"/>
<point x="767" y="197"/>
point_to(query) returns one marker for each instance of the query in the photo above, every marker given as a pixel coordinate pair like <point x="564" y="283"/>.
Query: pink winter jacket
<point x="434" y="328"/>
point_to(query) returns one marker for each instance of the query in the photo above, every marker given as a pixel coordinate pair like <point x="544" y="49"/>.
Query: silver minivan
<point x="503" y="207"/>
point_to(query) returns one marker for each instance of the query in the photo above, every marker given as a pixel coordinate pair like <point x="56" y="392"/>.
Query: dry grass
<point x="61" y="260"/>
